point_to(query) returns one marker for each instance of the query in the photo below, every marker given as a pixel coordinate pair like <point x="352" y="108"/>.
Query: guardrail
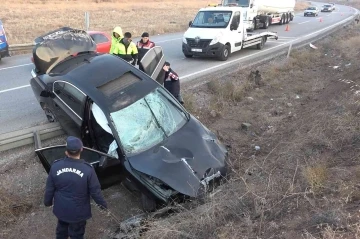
<point x="26" y="136"/>
<point x="21" y="48"/>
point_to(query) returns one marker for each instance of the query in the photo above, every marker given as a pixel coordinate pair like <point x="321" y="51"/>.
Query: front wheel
<point x="224" y="54"/>
<point x="49" y="115"/>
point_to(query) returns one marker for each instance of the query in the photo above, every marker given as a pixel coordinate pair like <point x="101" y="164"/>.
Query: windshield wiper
<point x="157" y="122"/>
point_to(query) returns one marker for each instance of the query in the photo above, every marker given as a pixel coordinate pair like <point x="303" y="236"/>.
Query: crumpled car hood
<point x="184" y="159"/>
<point x="55" y="46"/>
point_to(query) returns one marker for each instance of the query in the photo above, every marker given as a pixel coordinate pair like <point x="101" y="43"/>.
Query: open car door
<point x="107" y="168"/>
<point x="153" y="62"/>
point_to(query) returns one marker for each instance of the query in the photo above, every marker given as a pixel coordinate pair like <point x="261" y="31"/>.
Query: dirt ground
<point x="24" y="20"/>
<point x="294" y="170"/>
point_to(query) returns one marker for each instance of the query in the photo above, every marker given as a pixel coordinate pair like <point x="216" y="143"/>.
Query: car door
<point x="68" y="105"/>
<point x="153" y="62"/>
<point x="107" y="168"/>
<point x="236" y="32"/>
<point x="103" y="43"/>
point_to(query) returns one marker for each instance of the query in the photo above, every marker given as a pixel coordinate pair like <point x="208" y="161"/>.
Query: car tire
<point x="148" y="203"/>
<point x="266" y="23"/>
<point x="260" y="45"/>
<point x="49" y="114"/>
<point x="188" y="56"/>
<point x="224" y="54"/>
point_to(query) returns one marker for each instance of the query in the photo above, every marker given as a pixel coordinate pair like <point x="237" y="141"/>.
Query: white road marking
<point x="16" y="88"/>
<point x="214" y="67"/>
<point x="303" y="22"/>
<point x="10" y="67"/>
<point x="229" y="62"/>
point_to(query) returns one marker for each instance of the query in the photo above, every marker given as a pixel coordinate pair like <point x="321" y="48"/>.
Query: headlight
<point x="216" y="39"/>
<point x="184" y="40"/>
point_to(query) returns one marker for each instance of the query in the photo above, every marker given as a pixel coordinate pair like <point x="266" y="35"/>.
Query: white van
<point x="218" y="32"/>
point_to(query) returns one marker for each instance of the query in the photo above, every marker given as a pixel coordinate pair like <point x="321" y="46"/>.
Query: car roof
<point x="90" y="72"/>
<point x="99" y="32"/>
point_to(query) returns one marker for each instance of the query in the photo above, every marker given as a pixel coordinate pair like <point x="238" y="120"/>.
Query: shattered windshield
<point x="212" y="19"/>
<point x="148" y="121"/>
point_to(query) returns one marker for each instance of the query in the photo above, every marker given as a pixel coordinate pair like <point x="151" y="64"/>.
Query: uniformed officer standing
<point x="70" y="184"/>
<point x="172" y="82"/>
<point x="143" y="46"/>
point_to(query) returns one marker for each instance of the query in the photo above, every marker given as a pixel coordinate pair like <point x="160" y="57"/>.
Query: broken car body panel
<point x="122" y="113"/>
<point x="57" y="45"/>
<point x="185" y="159"/>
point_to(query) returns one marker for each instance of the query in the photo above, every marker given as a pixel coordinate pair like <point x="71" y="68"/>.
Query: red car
<point x="102" y="40"/>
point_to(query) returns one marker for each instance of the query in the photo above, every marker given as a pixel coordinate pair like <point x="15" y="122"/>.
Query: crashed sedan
<point x="132" y="128"/>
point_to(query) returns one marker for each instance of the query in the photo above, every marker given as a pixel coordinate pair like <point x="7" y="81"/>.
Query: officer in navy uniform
<point x="70" y="184"/>
<point x="172" y="82"/>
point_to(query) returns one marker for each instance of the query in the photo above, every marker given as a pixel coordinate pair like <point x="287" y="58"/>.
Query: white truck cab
<point x="218" y="32"/>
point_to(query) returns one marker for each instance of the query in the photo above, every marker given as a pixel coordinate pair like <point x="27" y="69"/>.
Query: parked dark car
<point x="133" y="129"/>
<point x="4" y="46"/>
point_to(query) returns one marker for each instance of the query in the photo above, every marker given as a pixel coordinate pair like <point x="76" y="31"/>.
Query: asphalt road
<point x="19" y="108"/>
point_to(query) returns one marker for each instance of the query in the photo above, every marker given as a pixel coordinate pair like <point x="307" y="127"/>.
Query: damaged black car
<point x="134" y="131"/>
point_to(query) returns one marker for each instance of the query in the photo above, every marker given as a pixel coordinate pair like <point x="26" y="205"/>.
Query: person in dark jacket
<point x="70" y="184"/>
<point x="172" y="82"/>
<point x="143" y="46"/>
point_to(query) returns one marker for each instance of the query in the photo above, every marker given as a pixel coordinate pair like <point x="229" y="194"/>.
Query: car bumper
<point x="309" y="13"/>
<point x="4" y="51"/>
<point x="326" y="10"/>
<point x="209" y="51"/>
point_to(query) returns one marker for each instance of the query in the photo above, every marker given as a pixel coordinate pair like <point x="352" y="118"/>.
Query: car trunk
<point x="55" y="46"/>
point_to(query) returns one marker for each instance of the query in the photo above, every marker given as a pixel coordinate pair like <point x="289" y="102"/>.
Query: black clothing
<point x="70" y="184"/>
<point x="74" y="230"/>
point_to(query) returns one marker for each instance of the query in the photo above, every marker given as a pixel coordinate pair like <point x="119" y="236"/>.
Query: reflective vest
<point x="114" y="40"/>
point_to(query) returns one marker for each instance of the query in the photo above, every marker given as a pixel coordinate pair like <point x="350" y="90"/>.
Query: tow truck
<point x="218" y="32"/>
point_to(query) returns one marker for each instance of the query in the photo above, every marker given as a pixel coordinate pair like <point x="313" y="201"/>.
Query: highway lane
<point x="19" y="109"/>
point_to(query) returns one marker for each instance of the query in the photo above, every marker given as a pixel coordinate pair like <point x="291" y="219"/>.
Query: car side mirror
<point x="233" y="27"/>
<point x="251" y="5"/>
<point x="190" y="23"/>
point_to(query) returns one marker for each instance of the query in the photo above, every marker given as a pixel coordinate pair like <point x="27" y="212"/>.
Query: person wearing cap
<point x="70" y="183"/>
<point x="116" y="36"/>
<point x="126" y="49"/>
<point x="172" y="82"/>
<point x="143" y="46"/>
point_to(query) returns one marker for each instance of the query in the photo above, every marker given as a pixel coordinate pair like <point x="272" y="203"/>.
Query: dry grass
<point x="27" y="19"/>
<point x="302" y="183"/>
<point x="301" y="6"/>
<point x="316" y="176"/>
